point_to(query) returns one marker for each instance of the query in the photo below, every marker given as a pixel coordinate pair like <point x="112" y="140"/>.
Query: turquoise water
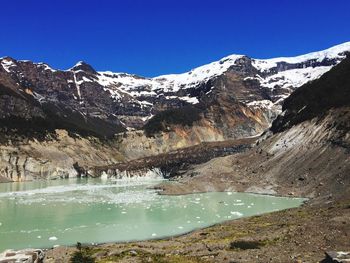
<point x="63" y="212"/>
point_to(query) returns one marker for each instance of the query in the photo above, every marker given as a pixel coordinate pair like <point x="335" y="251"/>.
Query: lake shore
<point x="294" y="235"/>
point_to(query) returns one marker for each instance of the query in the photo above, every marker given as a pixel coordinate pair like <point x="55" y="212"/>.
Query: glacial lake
<point x="47" y="213"/>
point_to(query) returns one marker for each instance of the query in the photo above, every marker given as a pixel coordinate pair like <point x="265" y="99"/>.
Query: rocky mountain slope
<point x="306" y="152"/>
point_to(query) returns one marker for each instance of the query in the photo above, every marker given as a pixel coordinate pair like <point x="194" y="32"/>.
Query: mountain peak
<point x="7" y="58"/>
<point x="81" y="65"/>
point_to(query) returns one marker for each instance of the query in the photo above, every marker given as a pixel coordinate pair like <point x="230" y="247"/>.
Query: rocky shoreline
<point x="292" y="235"/>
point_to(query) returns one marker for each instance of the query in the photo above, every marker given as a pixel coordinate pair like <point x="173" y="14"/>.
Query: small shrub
<point x="242" y="244"/>
<point x="82" y="255"/>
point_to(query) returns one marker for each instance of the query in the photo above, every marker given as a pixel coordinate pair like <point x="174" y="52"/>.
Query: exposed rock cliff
<point x="59" y="157"/>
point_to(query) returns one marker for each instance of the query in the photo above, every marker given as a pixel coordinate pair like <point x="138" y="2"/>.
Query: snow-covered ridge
<point x="287" y="79"/>
<point x="167" y="83"/>
<point x="197" y="75"/>
<point x="330" y="53"/>
<point x="142" y="90"/>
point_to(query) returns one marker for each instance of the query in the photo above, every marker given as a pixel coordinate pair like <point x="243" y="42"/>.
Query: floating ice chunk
<point x="198" y="217"/>
<point x="53" y="238"/>
<point x="123" y="212"/>
<point x="236" y="213"/>
<point x="198" y="199"/>
<point x="188" y="221"/>
<point x="180" y="227"/>
<point x="229" y="193"/>
<point x="248" y="206"/>
<point x="0" y="224"/>
<point x="154" y="234"/>
<point x="39" y="237"/>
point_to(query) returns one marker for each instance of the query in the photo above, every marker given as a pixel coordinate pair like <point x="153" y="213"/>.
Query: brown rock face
<point x="59" y="157"/>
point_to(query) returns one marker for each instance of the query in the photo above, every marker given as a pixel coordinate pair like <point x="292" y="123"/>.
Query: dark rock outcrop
<point x="314" y="99"/>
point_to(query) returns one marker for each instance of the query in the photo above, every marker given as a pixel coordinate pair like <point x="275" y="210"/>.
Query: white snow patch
<point x="265" y="104"/>
<point x="293" y="78"/>
<point x="192" y="100"/>
<point x="44" y="65"/>
<point x="7" y="64"/>
<point x="77" y="85"/>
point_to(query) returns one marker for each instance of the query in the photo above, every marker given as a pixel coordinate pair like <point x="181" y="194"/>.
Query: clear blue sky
<point x="153" y="37"/>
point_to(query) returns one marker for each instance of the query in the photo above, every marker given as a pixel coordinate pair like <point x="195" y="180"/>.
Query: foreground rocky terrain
<point x="305" y="153"/>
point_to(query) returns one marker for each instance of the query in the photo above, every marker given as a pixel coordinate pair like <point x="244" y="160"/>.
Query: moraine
<point x="48" y="213"/>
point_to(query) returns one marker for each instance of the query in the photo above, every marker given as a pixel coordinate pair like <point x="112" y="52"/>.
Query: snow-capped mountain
<point x="233" y="94"/>
<point x="283" y="72"/>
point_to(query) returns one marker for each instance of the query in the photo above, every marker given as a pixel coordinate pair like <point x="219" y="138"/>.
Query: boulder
<point x="23" y="256"/>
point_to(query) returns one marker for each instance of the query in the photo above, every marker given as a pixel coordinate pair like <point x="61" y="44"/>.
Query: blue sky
<point x="154" y="37"/>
